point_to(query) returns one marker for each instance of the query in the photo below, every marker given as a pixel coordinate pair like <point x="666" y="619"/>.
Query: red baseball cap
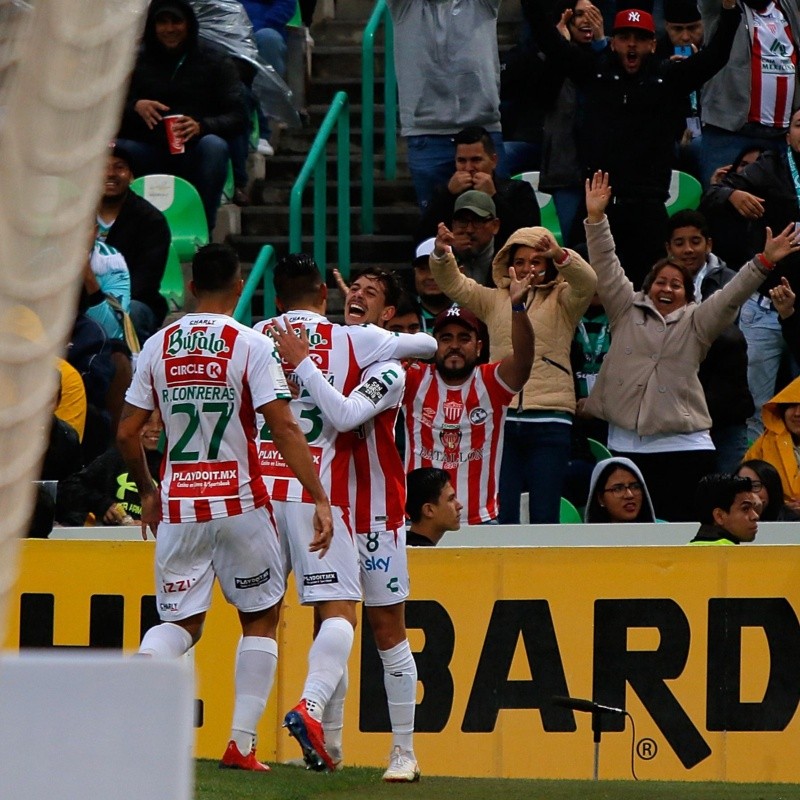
<point x="459" y="316"/>
<point x="636" y="19"/>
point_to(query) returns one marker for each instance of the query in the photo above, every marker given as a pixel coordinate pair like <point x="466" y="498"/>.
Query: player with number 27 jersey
<point x="207" y="374"/>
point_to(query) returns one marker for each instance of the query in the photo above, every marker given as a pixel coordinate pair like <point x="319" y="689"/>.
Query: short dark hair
<point x="388" y="280"/>
<point x="474" y="134"/>
<point x="423" y="485"/>
<point x="296" y="277"/>
<point x="407" y="304"/>
<point x="688" y="281"/>
<point x="688" y="218"/>
<point x="718" y="490"/>
<point x="214" y="268"/>
<point x="771" y="479"/>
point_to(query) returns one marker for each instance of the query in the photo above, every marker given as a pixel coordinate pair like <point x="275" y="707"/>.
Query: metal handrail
<point x="261" y="271"/>
<point x="315" y="164"/>
<point x="379" y="14"/>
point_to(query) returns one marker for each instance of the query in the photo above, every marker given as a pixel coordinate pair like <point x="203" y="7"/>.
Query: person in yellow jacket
<point x="728" y="509"/>
<point x="779" y="445"/>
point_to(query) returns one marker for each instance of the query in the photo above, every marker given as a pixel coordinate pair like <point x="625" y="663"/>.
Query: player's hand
<point x="778" y="247"/>
<point x="323" y="528"/>
<point x="518" y="288"/>
<point x="783" y="299"/>
<point x="151" y="111"/>
<point x="444" y="240"/>
<point x="748" y="205"/>
<point x="291" y="347"/>
<point x="151" y="514"/>
<point x="598" y="196"/>
<point x="460" y="182"/>
<point x="483" y="182"/>
<point x="337" y="276"/>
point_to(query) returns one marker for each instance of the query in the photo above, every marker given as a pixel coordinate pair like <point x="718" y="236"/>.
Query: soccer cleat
<point x="336" y="757"/>
<point x="233" y="759"/>
<point x="308" y="732"/>
<point x="403" y="767"/>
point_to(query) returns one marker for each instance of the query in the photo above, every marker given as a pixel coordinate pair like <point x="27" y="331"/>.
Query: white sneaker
<point x="403" y="767"/>
<point x="265" y="148"/>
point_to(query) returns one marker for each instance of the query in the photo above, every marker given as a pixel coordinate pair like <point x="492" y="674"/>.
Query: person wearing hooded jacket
<point x="618" y="493"/>
<point x="537" y="431"/>
<point x="779" y="445"/>
<point x="648" y="388"/>
<point x="175" y="73"/>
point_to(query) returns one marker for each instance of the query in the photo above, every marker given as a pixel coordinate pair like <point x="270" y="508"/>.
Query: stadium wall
<point x="700" y="645"/>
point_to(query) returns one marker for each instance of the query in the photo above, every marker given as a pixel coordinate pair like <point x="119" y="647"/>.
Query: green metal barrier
<point x="339" y="115"/>
<point x="262" y="271"/>
<point x="379" y="15"/>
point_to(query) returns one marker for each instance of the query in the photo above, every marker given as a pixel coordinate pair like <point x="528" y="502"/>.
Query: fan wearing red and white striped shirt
<point x="208" y="375"/>
<point x="455" y="410"/>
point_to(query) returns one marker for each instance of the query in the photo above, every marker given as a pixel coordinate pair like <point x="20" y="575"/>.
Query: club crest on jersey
<point x="453" y="410"/>
<point x="450" y="438"/>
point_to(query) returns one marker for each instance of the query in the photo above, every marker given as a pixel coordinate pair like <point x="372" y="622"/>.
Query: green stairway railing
<point x="315" y="166"/>
<point x="380" y="15"/>
<point x="260" y="273"/>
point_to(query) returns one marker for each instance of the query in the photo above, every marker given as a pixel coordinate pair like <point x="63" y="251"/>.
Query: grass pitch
<point x="294" y="783"/>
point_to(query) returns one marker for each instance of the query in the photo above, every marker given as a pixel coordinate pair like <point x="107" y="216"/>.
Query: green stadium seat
<point x="229" y="188"/>
<point x="547" y="205"/>
<point x="598" y="450"/>
<point x="172" y="287"/>
<point x="180" y="203"/>
<point x="569" y="515"/>
<point x="685" y="191"/>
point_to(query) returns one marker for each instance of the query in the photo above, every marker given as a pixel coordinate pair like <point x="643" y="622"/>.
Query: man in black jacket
<point x="140" y="232"/>
<point x="177" y="76"/>
<point x="631" y="100"/>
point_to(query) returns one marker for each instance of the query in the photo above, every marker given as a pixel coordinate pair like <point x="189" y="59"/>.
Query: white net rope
<point x="64" y="66"/>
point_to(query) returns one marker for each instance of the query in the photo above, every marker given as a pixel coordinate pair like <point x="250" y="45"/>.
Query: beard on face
<point x="455" y="373"/>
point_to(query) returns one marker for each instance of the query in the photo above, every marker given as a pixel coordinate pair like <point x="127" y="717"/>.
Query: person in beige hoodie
<point x="537" y="430"/>
<point x="648" y="389"/>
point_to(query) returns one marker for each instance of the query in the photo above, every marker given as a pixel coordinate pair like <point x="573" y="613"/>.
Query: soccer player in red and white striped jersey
<point x="455" y="410"/>
<point x="338" y="354"/>
<point x="377" y="489"/>
<point x="208" y="375"/>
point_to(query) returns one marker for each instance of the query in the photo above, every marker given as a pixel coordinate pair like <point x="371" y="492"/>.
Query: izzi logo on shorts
<point x="320" y="578"/>
<point x="250" y="583"/>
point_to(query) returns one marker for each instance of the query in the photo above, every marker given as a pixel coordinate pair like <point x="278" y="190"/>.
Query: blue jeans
<point x="432" y="161"/>
<point x="730" y="442"/>
<point x="765" y="348"/>
<point x="522" y="156"/>
<point x="271" y="47"/>
<point x="204" y="165"/>
<point x="535" y="459"/>
<point x="144" y="320"/>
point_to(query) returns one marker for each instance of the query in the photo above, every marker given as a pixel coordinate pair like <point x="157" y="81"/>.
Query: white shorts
<point x="384" y="567"/>
<point x="244" y="553"/>
<point x="332" y="577"/>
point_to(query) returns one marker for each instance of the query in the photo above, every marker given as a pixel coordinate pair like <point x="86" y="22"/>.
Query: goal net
<point x="64" y="66"/>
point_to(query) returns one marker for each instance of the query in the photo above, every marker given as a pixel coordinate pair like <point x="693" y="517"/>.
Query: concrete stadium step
<point x="384" y="249"/>
<point x="387" y="193"/>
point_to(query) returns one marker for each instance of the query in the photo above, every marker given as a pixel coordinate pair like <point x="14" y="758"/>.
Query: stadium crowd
<point x="594" y="363"/>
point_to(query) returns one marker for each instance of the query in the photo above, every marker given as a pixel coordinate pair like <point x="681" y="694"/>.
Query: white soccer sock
<point x="166" y="640"/>
<point x="256" y="661"/>
<point x="327" y="660"/>
<point x="400" y="680"/>
<point x="333" y="717"/>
